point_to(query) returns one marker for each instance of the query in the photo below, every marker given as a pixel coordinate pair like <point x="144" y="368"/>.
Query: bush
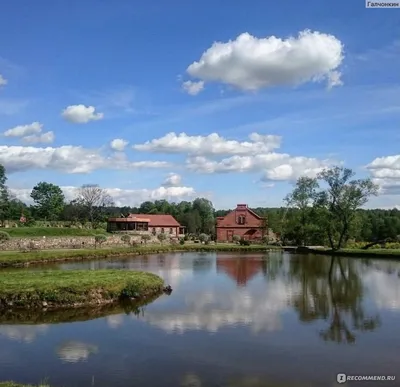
<point x="126" y="239"/>
<point x="99" y="239"/>
<point x="4" y="236"/>
<point x="146" y="238"/>
<point x="182" y="241"/>
<point x="186" y="237"/>
<point x="203" y="237"/>
<point x="244" y="242"/>
<point x="161" y="237"/>
<point x="236" y="238"/>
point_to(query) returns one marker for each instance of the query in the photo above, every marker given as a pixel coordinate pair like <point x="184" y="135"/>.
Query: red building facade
<point x="242" y="222"/>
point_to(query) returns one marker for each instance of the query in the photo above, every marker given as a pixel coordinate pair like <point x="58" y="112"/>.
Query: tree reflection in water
<point x="331" y="290"/>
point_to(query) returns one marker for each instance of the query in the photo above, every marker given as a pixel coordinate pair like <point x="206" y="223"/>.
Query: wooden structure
<point x="242" y="222"/>
<point x="146" y="223"/>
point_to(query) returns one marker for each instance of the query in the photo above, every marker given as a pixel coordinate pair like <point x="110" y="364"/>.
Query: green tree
<point x="338" y="203"/>
<point x="49" y="201"/>
<point x="206" y="211"/>
<point x="4" y="199"/>
<point x="303" y="198"/>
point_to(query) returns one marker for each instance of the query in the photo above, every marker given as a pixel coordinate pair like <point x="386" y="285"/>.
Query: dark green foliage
<point x="4" y="236"/>
<point x="49" y="201"/>
<point x="244" y="242"/>
<point x="182" y="241"/>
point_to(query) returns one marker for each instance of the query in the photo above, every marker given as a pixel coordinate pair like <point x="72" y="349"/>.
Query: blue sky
<point x="126" y="64"/>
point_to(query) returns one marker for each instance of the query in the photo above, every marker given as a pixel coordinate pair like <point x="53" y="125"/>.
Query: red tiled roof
<point x="158" y="220"/>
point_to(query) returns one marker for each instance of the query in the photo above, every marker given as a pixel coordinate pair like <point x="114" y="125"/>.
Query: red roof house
<point x="146" y="222"/>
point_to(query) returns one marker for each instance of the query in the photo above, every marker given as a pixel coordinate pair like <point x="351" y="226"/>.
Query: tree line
<point x="326" y="210"/>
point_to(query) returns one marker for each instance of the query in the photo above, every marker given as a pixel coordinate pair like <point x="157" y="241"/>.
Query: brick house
<point x="242" y="222"/>
<point x="146" y="224"/>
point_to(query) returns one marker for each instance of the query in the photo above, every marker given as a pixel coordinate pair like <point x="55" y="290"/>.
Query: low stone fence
<point x="46" y="243"/>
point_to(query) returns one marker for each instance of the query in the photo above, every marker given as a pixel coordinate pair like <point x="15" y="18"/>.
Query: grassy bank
<point x="75" y="288"/>
<point x="375" y="253"/>
<point x="31" y="232"/>
<point x="17" y="258"/>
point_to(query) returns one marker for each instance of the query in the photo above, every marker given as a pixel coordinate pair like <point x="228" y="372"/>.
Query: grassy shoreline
<point x="358" y="253"/>
<point x="17" y="258"/>
<point x="75" y="288"/>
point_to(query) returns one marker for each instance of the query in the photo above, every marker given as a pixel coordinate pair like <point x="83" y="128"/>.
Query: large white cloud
<point x="252" y="63"/>
<point x="67" y="159"/>
<point x="273" y="166"/>
<point x="385" y="172"/>
<point x="24" y="130"/>
<point x="213" y="144"/>
<point x="81" y="114"/>
<point x="3" y="81"/>
<point x="122" y="197"/>
<point x="118" y="144"/>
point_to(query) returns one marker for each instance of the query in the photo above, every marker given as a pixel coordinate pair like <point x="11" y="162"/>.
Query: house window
<point x="153" y="231"/>
<point x="162" y="230"/>
<point x="171" y="230"/>
<point x="241" y="219"/>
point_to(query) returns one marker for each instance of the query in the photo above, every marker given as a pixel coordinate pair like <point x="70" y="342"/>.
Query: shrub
<point x="126" y="239"/>
<point x="161" y="237"/>
<point x="186" y="237"/>
<point x="244" y="242"/>
<point x="203" y="237"/>
<point x="146" y="238"/>
<point x="182" y="241"/>
<point x="236" y="238"/>
<point x="99" y="239"/>
<point x="134" y="244"/>
<point x="4" y="236"/>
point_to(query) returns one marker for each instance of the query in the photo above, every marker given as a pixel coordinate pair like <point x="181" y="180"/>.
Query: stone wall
<point x="44" y="243"/>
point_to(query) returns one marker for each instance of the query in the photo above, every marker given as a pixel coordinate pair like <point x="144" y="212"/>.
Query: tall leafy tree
<point x="4" y="198"/>
<point x="303" y="198"/>
<point x="339" y="201"/>
<point x="49" y="201"/>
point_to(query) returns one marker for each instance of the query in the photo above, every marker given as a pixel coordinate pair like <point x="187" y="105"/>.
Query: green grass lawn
<point x="30" y="232"/>
<point x="60" y="288"/>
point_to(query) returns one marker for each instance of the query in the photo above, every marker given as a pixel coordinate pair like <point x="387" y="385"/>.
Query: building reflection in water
<point x="240" y="269"/>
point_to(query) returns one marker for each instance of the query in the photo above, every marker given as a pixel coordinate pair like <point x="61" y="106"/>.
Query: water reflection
<point x="232" y="320"/>
<point x="26" y="334"/>
<point x="332" y="290"/>
<point x="75" y="351"/>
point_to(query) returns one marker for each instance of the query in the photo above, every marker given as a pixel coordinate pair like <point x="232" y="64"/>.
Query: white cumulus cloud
<point x="3" y="81"/>
<point x="385" y="172"/>
<point x="172" y="180"/>
<point x="251" y="63"/>
<point x="213" y="144"/>
<point x="67" y="159"/>
<point x="81" y="114"/>
<point x="118" y="144"/>
<point x="24" y="130"/>
<point x="121" y="197"/>
<point x="44" y="138"/>
<point x="273" y="166"/>
<point x="193" y="88"/>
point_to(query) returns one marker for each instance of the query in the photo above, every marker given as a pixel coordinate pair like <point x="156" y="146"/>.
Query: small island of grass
<point x="73" y="288"/>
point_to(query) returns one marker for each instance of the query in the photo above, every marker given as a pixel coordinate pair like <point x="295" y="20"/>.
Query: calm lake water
<point x="232" y="320"/>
